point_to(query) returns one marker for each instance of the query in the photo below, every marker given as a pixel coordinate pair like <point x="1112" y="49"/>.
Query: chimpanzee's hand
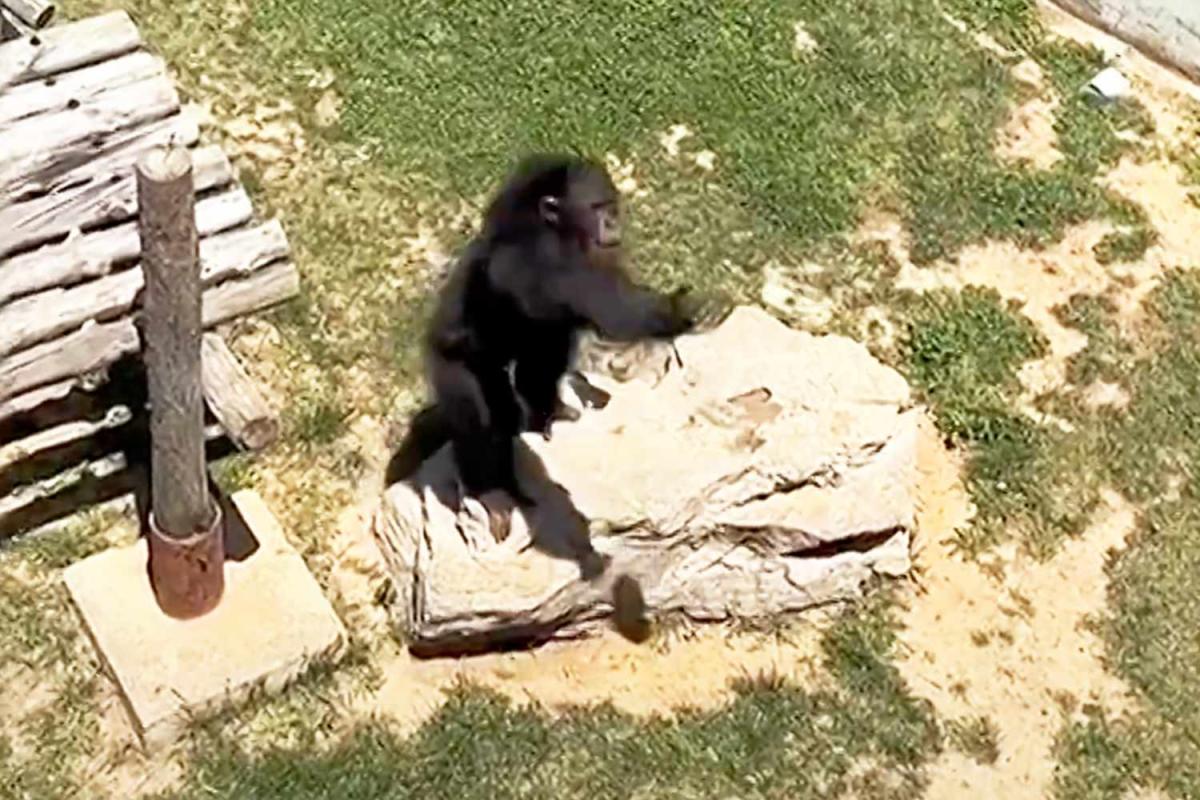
<point x="701" y="312"/>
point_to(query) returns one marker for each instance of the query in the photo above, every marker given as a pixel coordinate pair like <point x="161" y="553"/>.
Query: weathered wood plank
<point x="116" y="110"/>
<point x="94" y="347"/>
<point x="36" y="318"/>
<point x="10" y="28"/>
<point x="34" y="13"/>
<point x="97" y="158"/>
<point x="235" y="398"/>
<point x="27" y="495"/>
<point x="53" y="438"/>
<point x="82" y="257"/>
<point x="23" y="404"/>
<point x="1167" y="30"/>
<point x="70" y="89"/>
<point x="27" y="225"/>
<point x="90" y="348"/>
<point x="260" y="290"/>
<point x="16" y="53"/>
<point x="65" y="47"/>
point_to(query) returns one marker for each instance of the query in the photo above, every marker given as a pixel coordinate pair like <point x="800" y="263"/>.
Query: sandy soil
<point x="1012" y="648"/>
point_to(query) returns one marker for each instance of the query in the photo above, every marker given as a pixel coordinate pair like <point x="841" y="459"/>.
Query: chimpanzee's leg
<point x="537" y="375"/>
<point x="483" y="418"/>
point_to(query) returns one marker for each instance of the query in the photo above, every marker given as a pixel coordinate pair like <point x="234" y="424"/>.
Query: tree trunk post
<point x="185" y="527"/>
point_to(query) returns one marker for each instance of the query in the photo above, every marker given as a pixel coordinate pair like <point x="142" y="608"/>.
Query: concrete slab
<point x="272" y="623"/>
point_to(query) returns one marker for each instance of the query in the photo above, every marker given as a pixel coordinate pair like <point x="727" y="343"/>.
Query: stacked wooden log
<point x="79" y="104"/>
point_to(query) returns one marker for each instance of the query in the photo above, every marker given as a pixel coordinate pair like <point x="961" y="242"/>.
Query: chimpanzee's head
<point x="569" y="196"/>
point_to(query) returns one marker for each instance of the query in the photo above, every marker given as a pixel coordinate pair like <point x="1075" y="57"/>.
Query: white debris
<point x="1109" y="85"/>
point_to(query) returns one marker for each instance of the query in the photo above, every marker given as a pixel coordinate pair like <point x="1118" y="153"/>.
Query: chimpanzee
<point x="546" y="264"/>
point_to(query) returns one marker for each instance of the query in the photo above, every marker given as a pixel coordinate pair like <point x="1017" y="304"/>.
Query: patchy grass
<point x="977" y="738"/>
<point x="1107" y="356"/>
<point x="800" y="140"/>
<point x="480" y="746"/>
<point x="895" y="109"/>
<point x="1158" y="433"/>
<point x="48" y="720"/>
<point x="963" y="351"/>
<point x="316" y="419"/>
<point x="1125" y="245"/>
<point x="1151" y="456"/>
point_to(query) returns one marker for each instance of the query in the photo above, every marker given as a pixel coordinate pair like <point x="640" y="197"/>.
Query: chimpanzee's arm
<point x="619" y="309"/>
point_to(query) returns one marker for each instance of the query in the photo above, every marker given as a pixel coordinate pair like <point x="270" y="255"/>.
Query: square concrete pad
<point x="271" y="623"/>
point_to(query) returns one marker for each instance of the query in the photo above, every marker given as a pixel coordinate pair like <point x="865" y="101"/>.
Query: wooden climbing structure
<point x="80" y="103"/>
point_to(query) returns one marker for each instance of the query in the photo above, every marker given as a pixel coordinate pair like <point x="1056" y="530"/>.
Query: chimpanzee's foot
<point x="499" y="506"/>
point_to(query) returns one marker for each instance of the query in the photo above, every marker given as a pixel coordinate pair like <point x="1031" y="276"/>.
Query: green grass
<point x="774" y="740"/>
<point x="46" y="740"/>
<point x="1125" y="245"/>
<point x="1158" y="433"/>
<point x="802" y="139"/>
<point x="316" y="419"/>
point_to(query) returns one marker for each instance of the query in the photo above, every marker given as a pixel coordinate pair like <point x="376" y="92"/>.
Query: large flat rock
<point x="272" y="622"/>
<point x="767" y="471"/>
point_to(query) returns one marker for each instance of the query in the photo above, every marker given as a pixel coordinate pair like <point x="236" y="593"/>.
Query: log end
<point x="165" y="164"/>
<point x="44" y="16"/>
<point x="260" y="433"/>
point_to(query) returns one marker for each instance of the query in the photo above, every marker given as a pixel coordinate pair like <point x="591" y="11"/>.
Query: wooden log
<point x="171" y="345"/>
<point x="34" y="13"/>
<point x="90" y="348"/>
<point x="262" y="289"/>
<point x="27" y="225"/>
<point x="235" y="398"/>
<point x="94" y="347"/>
<point x="60" y="435"/>
<point x="96" y="158"/>
<point x="23" y="404"/>
<point x="98" y="469"/>
<point x="97" y="475"/>
<point x="82" y="257"/>
<point x="115" y="110"/>
<point x="43" y="316"/>
<point x="65" y="47"/>
<point x="9" y="29"/>
<point x="70" y="89"/>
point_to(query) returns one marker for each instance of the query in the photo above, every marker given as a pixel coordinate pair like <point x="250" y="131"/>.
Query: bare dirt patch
<point x="1028" y="136"/>
<point x="1013" y="648"/>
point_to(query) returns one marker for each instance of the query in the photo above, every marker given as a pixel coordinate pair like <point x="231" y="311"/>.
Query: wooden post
<point x="34" y="13"/>
<point x="185" y="537"/>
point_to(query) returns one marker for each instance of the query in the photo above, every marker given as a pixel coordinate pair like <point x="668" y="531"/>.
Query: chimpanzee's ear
<point x="548" y="208"/>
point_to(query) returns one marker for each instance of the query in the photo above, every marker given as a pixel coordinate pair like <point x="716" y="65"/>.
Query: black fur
<point x="546" y="265"/>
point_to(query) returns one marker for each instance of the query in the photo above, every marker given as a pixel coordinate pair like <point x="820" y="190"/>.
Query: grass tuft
<point x="979" y="738"/>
